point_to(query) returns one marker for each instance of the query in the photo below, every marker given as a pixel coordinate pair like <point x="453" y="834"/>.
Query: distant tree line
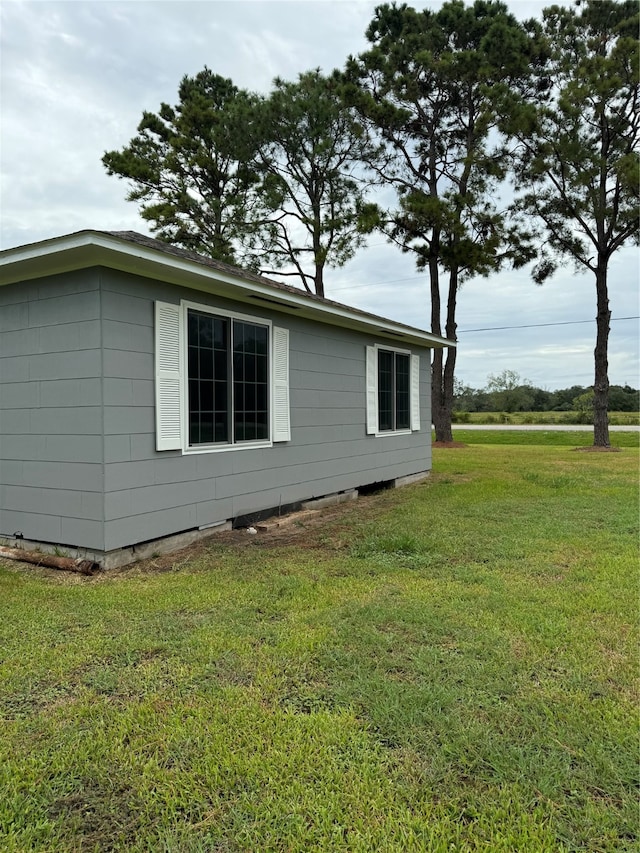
<point x="509" y="392"/>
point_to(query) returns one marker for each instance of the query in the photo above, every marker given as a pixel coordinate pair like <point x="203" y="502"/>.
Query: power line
<point x="488" y="328"/>
<point x="541" y="325"/>
<point x="374" y="283"/>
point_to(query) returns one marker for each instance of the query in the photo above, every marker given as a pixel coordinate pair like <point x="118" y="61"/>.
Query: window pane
<point x="205" y="363"/>
<point x="402" y="391"/>
<point x="250" y="397"/>
<point x="220" y="331"/>
<point x="206" y="396"/>
<point x="208" y="366"/>
<point x="385" y="390"/>
<point x="205" y="331"/>
<point x="262" y="424"/>
<point x="250" y="427"/>
<point x="223" y="354"/>
<point x="262" y="341"/>
<point x="192" y="326"/>
<point x="194" y="430"/>
<point x="249" y="364"/>
<point x="192" y="356"/>
<point x="250" y="381"/>
<point x="220" y="362"/>
<point x="261" y="397"/>
<point x="206" y="428"/>
<point x="221" y="432"/>
<point x="220" y="397"/>
<point x="262" y="365"/>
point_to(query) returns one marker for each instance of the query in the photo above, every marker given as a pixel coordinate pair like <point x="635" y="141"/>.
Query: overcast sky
<point x="76" y="77"/>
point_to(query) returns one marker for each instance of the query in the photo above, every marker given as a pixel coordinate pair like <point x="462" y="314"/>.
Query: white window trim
<point x="171" y="376"/>
<point x="187" y="448"/>
<point x="372" y="423"/>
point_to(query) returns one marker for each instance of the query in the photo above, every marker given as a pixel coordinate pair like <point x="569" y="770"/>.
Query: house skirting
<point x="165" y="545"/>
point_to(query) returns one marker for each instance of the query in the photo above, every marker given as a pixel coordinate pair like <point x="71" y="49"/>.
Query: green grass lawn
<point x="544" y="438"/>
<point x="451" y="666"/>
<point x="615" y="418"/>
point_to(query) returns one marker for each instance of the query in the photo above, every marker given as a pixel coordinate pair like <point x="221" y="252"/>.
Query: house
<point x="150" y="395"/>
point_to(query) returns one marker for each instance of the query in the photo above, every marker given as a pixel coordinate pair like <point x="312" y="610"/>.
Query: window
<point x="228" y="379"/>
<point x="393" y="390"/>
<point x="222" y="380"/>
<point x="393" y="378"/>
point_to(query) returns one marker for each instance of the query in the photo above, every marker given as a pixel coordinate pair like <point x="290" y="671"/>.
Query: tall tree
<point x="272" y="183"/>
<point x="192" y="168"/>
<point x="435" y="85"/>
<point x="579" y="155"/>
<point x="310" y="149"/>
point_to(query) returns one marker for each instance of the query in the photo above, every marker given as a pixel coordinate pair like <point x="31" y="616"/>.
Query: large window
<point x="393" y="385"/>
<point x="222" y="379"/>
<point x="228" y="379"/>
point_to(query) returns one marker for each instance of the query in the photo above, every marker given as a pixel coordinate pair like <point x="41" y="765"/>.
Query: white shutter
<point x="168" y="338"/>
<point x="372" y="390"/>
<point x="281" y="415"/>
<point x="415" y="392"/>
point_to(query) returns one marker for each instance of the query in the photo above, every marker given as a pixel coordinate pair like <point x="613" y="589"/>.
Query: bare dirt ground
<point x="305" y="529"/>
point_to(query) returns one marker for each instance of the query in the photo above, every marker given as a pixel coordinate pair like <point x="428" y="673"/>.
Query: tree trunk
<point x="318" y="254"/>
<point x="601" y="381"/>
<point x="442" y="383"/>
<point x="441" y="420"/>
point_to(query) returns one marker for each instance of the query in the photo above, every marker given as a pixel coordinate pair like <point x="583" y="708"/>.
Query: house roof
<point x="135" y="253"/>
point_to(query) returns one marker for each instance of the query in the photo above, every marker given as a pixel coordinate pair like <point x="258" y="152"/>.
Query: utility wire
<point x="375" y="283"/>
<point x="541" y="325"/>
<point x="488" y="328"/>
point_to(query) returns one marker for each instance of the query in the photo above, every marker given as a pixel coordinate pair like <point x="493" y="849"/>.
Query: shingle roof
<point x="229" y="269"/>
<point x="34" y="260"/>
<point x="246" y="275"/>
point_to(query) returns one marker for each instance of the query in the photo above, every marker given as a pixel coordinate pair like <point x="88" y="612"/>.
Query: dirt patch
<point x="99" y="816"/>
<point x="453" y="445"/>
<point x="595" y="449"/>
<point x="306" y="530"/>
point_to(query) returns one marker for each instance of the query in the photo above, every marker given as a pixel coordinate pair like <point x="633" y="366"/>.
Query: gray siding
<point x="51" y="478"/>
<point x="150" y="494"/>
<point x="78" y="464"/>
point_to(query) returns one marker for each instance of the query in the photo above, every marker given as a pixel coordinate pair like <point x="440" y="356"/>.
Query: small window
<point x="393" y="384"/>
<point x="393" y="390"/>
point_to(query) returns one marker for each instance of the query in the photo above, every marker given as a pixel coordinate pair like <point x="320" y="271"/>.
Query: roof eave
<point x="95" y="248"/>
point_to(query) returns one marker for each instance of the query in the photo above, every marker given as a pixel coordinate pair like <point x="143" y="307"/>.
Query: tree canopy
<point x="191" y="167"/>
<point x="265" y="182"/>
<point x="578" y="156"/>
<point x="434" y="85"/>
<point x="309" y="155"/>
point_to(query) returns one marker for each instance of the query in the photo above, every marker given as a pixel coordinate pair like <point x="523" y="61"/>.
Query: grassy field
<point x="615" y="418"/>
<point x="451" y="666"/>
<point x="544" y="438"/>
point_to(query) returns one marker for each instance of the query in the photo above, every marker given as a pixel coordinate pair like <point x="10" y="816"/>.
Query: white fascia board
<point x="43" y="248"/>
<point x="95" y="248"/>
